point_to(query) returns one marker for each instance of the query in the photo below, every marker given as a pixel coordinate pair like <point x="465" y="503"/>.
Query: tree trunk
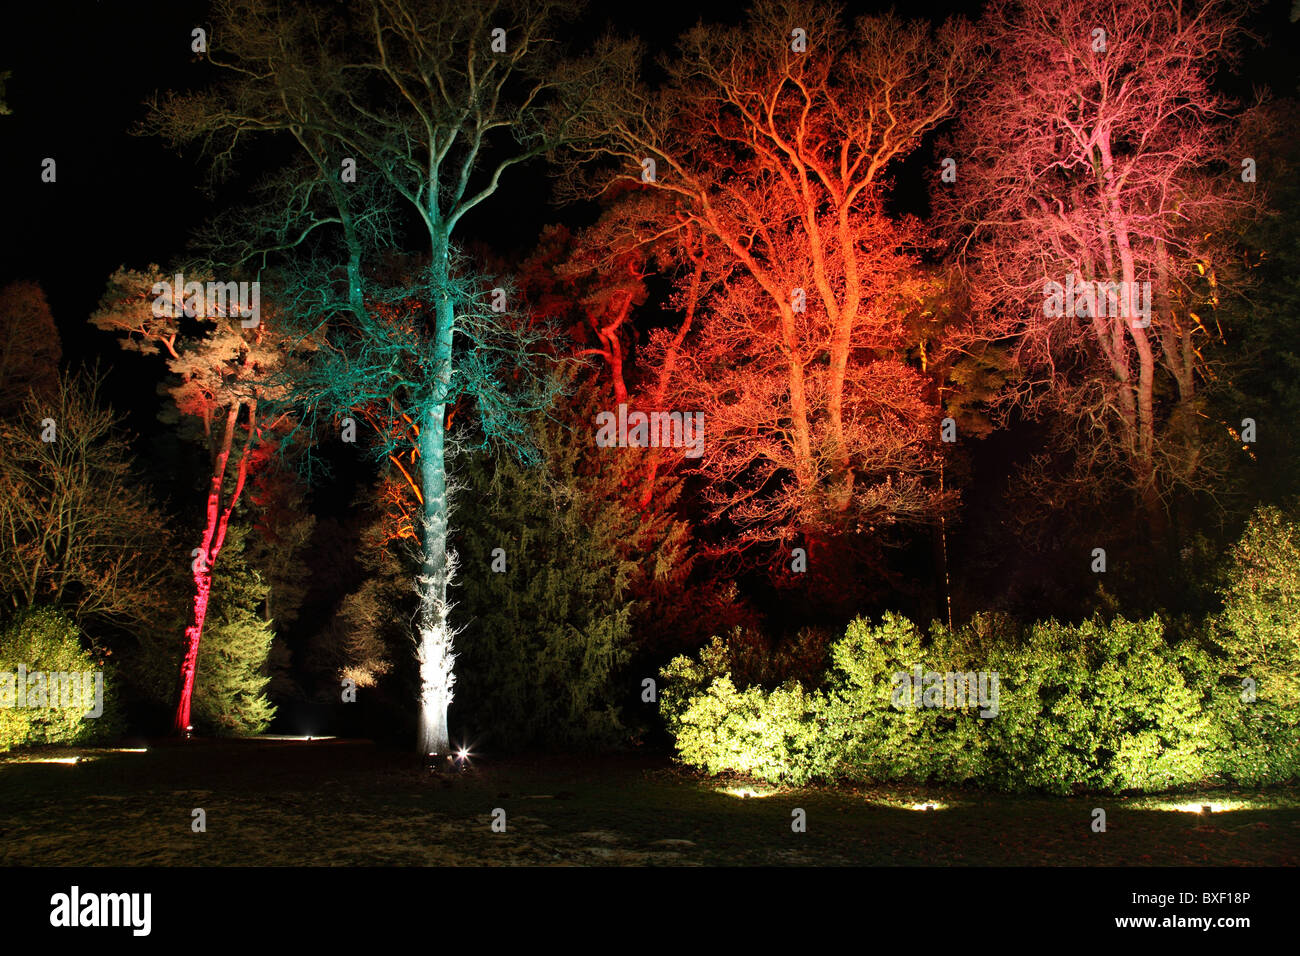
<point x="214" y="538"/>
<point x="190" y="661"/>
<point x="434" y="650"/>
<point x="203" y="578"/>
<point x="434" y="640"/>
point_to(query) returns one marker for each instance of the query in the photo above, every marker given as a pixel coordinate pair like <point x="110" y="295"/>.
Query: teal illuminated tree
<point x="399" y="108"/>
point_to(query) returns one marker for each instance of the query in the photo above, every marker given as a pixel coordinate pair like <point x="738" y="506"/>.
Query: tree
<point x="29" y="345"/>
<point x="223" y="389"/>
<point x="563" y="547"/>
<point x="776" y="153"/>
<point x="77" y="529"/>
<point x="422" y="99"/>
<point x="1259" y="627"/>
<point x="1095" y="160"/>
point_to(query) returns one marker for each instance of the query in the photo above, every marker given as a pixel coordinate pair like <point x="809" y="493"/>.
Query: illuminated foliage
<point x="548" y="636"/>
<point x="1259" y="627"/>
<point x="44" y="639"/>
<point x="1099" y="707"/>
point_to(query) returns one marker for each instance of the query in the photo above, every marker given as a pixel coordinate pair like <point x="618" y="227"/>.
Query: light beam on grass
<point x="744" y="793"/>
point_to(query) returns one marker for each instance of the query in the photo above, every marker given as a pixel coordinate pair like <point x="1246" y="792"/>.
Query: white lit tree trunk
<point x="434" y="650"/>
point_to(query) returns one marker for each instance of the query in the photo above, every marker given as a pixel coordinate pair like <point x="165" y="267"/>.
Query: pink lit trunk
<point x="214" y="537"/>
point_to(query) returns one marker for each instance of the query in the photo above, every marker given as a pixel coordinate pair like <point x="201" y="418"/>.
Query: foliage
<point x="766" y="734"/>
<point x="875" y="740"/>
<point x="45" y="639"/>
<point x="1258" y="635"/>
<point x="231" y="679"/>
<point x="1096" y="706"/>
<point x="230" y="687"/>
<point x="1259" y="627"/>
<point x="546" y="638"/>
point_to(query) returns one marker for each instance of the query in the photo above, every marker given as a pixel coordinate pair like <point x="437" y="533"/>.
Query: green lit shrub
<point x="1096" y="706"/>
<point x="870" y="735"/>
<point x="45" y="640"/>
<point x="771" y="735"/>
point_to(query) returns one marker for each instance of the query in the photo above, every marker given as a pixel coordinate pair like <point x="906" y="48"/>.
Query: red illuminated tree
<point x="222" y="372"/>
<point x="772" y="141"/>
<point x="1095" y="149"/>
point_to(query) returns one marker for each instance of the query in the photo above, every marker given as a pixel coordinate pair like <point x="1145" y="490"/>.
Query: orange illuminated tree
<point x="773" y="141"/>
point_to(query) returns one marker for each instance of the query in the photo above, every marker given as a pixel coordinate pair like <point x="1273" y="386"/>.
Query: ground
<point x="337" y="803"/>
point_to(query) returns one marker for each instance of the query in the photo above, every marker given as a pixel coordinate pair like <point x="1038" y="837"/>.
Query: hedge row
<point x="1096" y="706"/>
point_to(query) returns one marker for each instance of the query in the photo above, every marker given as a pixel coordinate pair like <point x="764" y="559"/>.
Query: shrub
<point x="872" y="738"/>
<point x="771" y="735"/>
<point x="1097" y="706"/>
<point x="44" y="640"/>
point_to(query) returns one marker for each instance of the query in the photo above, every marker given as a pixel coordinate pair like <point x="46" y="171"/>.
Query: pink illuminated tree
<point x="1096" y="153"/>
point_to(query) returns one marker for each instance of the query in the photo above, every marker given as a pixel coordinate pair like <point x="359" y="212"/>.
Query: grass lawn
<point x="331" y="803"/>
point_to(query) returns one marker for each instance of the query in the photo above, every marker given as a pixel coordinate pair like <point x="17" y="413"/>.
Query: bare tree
<point x="773" y="141"/>
<point x="1095" y="156"/>
<point x="77" y="529"/>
